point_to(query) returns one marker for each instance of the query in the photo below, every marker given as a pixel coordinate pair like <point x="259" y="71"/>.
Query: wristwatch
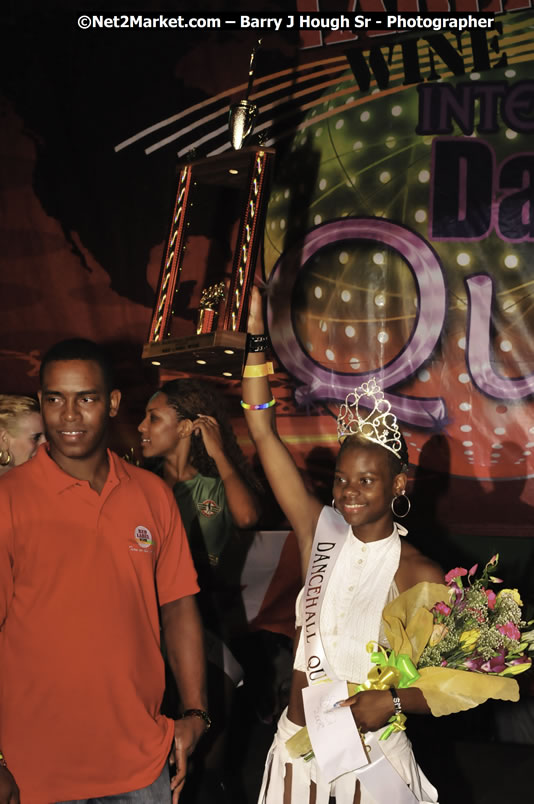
<point x="199" y="713"/>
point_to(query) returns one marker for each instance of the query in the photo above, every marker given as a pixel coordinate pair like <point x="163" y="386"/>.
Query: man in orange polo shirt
<point x="92" y="551"/>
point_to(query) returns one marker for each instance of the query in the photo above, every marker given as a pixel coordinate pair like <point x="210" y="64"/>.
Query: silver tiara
<point x="379" y="426"/>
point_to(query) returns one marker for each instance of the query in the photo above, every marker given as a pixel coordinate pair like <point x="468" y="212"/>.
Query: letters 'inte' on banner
<point x="209" y="264"/>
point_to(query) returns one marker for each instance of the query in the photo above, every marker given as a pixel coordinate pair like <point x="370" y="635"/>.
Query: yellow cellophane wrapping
<point x="408" y="623"/>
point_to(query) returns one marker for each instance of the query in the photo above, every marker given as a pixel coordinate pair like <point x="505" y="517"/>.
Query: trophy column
<point x="199" y="319"/>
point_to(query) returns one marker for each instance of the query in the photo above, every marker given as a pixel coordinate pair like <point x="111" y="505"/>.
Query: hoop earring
<point x="402" y="496"/>
<point x="335" y="509"/>
<point x="5" y="457"/>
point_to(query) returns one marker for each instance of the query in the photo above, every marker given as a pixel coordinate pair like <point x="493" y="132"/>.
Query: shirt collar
<point x="57" y="480"/>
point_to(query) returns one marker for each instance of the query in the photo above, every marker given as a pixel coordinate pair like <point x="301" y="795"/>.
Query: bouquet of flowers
<point x="477" y="629"/>
<point x="464" y="639"/>
<point x="436" y="633"/>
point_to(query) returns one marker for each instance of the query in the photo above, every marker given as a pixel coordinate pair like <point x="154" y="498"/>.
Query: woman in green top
<point x="187" y="439"/>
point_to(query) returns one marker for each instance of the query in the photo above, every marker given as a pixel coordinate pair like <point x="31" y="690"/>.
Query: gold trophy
<point x="209" y="308"/>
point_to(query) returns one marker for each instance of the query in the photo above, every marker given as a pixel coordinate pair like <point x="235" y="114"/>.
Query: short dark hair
<point x="79" y="349"/>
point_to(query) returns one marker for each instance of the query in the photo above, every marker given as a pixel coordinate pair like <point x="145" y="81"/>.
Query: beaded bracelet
<point x="263" y="406"/>
<point x="3" y="763"/>
<point x="263" y="370"/>
<point x="257" y="343"/>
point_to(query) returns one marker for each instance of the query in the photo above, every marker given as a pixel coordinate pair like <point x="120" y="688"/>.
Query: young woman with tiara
<point x="354" y="561"/>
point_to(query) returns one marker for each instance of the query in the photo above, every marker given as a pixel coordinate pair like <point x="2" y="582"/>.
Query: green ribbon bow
<point x="390" y="671"/>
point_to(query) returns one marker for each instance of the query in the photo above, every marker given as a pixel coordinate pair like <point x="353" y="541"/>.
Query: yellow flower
<point x="468" y="639"/>
<point x="513" y="593"/>
<point x="515" y="669"/>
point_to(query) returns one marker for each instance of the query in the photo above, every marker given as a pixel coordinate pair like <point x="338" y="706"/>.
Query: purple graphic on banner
<point x="479" y="358"/>
<point x="320" y="383"/>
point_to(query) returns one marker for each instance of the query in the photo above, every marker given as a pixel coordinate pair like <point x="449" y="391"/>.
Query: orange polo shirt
<point x="81" y="672"/>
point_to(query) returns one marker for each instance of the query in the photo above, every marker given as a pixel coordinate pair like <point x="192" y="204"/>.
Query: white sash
<point x="323" y="557"/>
<point x="333" y="733"/>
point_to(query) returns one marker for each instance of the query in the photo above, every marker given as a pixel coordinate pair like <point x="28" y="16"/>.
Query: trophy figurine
<point x="243" y="113"/>
<point x="210" y="301"/>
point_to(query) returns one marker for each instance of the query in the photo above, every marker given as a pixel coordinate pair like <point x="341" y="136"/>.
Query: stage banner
<point x="399" y="245"/>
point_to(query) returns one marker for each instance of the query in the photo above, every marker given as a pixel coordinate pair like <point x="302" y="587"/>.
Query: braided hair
<point x="191" y="397"/>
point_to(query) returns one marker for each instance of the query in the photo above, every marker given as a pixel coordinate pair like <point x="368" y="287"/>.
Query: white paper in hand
<point x="334" y="736"/>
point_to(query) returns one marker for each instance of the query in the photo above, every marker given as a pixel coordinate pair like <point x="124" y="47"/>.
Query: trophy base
<point x="214" y="354"/>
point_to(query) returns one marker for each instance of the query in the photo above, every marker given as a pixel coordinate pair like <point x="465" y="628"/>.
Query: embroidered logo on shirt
<point x="143" y="537"/>
<point x="209" y="508"/>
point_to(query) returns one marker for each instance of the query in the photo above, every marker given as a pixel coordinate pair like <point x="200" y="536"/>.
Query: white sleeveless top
<point x="362" y="583"/>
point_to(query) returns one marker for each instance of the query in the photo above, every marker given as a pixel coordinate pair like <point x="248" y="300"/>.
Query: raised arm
<point x="300" y="507"/>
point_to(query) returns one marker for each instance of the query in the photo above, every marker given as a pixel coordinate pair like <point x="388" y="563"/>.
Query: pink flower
<point x="474" y="664"/>
<point x="458" y="597"/>
<point x="492" y="597"/>
<point x="442" y="608"/>
<point x="494" y="665"/>
<point x="472" y="570"/>
<point x="510" y="630"/>
<point x="454" y="573"/>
